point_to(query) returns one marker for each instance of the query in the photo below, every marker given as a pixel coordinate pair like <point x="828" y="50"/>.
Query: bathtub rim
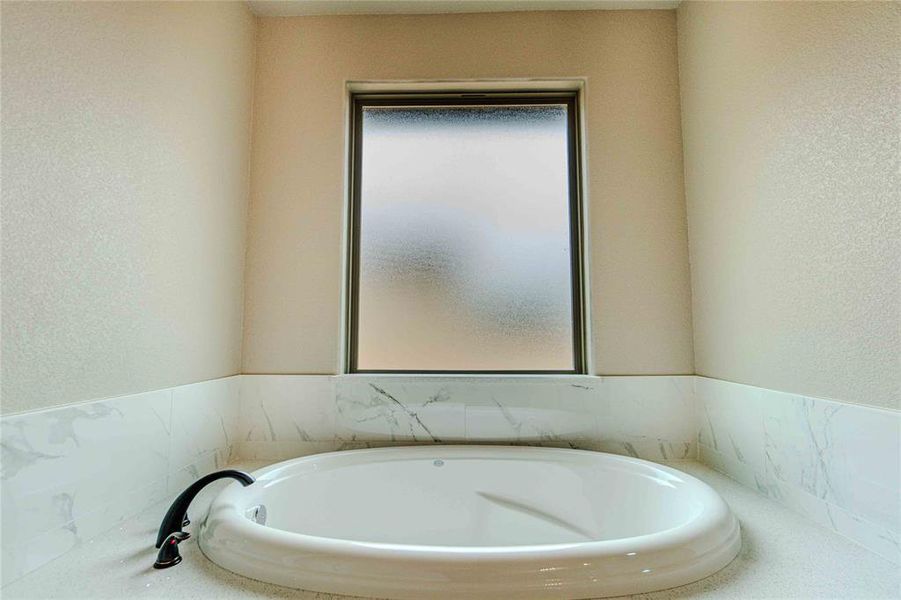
<point x="715" y="512"/>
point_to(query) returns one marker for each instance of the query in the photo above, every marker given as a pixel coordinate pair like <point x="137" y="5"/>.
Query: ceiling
<point x="293" y="8"/>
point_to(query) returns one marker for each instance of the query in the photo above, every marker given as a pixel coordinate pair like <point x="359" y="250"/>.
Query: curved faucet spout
<point x="177" y="514"/>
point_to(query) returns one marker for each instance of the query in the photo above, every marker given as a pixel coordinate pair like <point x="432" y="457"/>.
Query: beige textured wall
<point x="791" y="131"/>
<point x="125" y="167"/>
<point x="640" y="280"/>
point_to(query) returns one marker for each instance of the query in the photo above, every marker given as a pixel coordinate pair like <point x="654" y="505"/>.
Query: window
<point x="465" y="245"/>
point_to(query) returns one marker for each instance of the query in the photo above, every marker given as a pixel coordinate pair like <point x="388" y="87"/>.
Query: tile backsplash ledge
<point x="838" y="464"/>
<point x="646" y="417"/>
<point x="72" y="472"/>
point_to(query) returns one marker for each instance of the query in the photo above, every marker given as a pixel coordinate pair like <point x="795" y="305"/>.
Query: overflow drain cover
<point x="438" y="462"/>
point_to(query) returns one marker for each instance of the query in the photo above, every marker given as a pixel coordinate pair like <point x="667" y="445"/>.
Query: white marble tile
<point x="740" y="472"/>
<point x="731" y="420"/>
<point x="61" y="463"/>
<point x="647" y="417"/>
<point x="782" y="557"/>
<point x="843" y="454"/>
<point x="284" y="408"/>
<point x="869" y="441"/>
<point x="876" y="537"/>
<point x="838" y="464"/>
<point x="204" y="418"/>
<point x="29" y="552"/>
<point x="180" y="478"/>
<point x="527" y="424"/>
<point x="545" y="409"/>
<point x="474" y="409"/>
<point x="400" y="409"/>
<point x="72" y="472"/>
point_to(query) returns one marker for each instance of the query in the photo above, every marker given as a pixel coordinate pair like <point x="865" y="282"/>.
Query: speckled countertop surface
<point x="783" y="556"/>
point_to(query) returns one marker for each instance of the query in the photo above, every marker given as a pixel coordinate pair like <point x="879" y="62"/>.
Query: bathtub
<point x="480" y="522"/>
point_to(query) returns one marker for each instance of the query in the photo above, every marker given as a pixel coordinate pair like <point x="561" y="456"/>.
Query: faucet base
<point x="165" y="564"/>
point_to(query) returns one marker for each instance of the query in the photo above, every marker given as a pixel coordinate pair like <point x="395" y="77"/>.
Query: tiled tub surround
<point x="838" y="464"/>
<point x="782" y="556"/>
<point x="648" y="417"/>
<point x="71" y="473"/>
<point x="835" y="463"/>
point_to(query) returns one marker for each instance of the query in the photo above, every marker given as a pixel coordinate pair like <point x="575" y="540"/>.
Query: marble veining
<point x="280" y="408"/>
<point x="775" y="542"/>
<point x="647" y="417"/>
<point x="72" y="472"/>
<point x="377" y="412"/>
<point x="204" y="419"/>
<point x="838" y="464"/>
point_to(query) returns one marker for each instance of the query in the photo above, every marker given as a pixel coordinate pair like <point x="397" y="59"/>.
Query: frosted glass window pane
<point x="464" y="239"/>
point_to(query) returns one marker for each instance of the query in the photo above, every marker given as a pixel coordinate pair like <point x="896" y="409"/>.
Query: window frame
<point x="359" y="101"/>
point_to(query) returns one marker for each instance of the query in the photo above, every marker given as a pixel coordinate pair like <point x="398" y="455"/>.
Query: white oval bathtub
<point x="471" y="522"/>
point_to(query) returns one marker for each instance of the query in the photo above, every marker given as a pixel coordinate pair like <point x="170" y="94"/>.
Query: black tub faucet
<point x="171" y="534"/>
